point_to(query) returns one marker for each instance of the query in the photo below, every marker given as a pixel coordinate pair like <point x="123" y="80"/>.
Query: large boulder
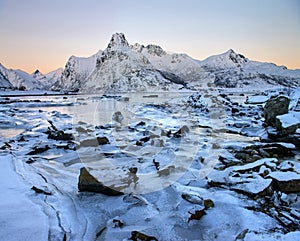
<point x="286" y="182"/>
<point x="88" y="183"/>
<point x="288" y="123"/>
<point x="275" y="106"/>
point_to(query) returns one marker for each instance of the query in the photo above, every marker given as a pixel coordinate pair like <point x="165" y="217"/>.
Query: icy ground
<point x="203" y="161"/>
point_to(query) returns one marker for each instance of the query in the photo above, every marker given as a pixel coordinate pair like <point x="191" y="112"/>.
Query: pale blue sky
<point x="42" y="34"/>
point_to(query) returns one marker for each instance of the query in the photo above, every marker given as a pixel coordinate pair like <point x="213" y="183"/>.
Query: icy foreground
<point x="188" y="166"/>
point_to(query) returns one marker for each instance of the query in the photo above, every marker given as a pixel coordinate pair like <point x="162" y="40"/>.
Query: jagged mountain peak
<point x="152" y="49"/>
<point x="235" y="57"/>
<point x="228" y="59"/>
<point x="117" y="41"/>
<point x="37" y="72"/>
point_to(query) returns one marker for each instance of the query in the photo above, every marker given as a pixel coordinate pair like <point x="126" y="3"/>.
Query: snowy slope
<point x="4" y="82"/>
<point x="53" y="77"/>
<point x="180" y="64"/>
<point x="76" y="70"/>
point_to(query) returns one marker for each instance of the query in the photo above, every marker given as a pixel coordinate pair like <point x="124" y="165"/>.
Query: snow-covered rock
<point x="288" y="123"/>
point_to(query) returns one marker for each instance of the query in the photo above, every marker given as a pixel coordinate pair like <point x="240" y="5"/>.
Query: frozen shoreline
<point x="20" y="218"/>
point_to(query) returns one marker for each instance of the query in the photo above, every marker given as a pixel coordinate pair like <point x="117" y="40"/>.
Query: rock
<point x="242" y="235"/>
<point x="286" y="182"/>
<point x="38" y="149"/>
<point x="102" y="140"/>
<point x="196" y="101"/>
<point x="192" y="198"/>
<point x="254" y="166"/>
<point x="182" y="131"/>
<point x="254" y="187"/>
<point x="88" y="183"/>
<point x="118" y="117"/>
<point x="40" y="191"/>
<point x="288" y="123"/>
<point x="208" y="203"/>
<point x="30" y="161"/>
<point x="275" y="106"/>
<point x="136" y="236"/>
<point x="118" y="223"/>
<point x="94" y="142"/>
<point x="196" y="214"/>
<point x="55" y="134"/>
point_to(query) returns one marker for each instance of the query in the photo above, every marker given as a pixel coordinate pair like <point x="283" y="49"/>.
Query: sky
<point x="43" y="34"/>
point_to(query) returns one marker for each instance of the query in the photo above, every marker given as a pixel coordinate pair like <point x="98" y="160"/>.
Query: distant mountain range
<point x="123" y="67"/>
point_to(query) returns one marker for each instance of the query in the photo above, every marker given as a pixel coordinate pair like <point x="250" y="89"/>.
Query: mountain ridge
<point x="124" y="67"/>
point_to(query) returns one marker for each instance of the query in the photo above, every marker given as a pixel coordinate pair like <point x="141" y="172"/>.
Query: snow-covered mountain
<point x="231" y="69"/>
<point x="121" y="68"/>
<point x="18" y="79"/>
<point x="124" y="67"/>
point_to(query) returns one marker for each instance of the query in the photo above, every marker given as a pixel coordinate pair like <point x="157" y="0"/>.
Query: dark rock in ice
<point x="40" y="191"/>
<point x="275" y="106"/>
<point x="102" y="140"/>
<point x="229" y="161"/>
<point x="156" y="164"/>
<point x="30" y="161"/>
<point x="142" y="141"/>
<point x="81" y="129"/>
<point x="38" y="149"/>
<point x="241" y="235"/>
<point x="94" y="142"/>
<point x="192" y="198"/>
<point x="166" y="171"/>
<point x="59" y="135"/>
<point x="118" y="117"/>
<point x="208" y="203"/>
<point x="182" y="131"/>
<point x="286" y="182"/>
<point x="118" y="223"/>
<point x="88" y="183"/>
<point x="5" y="146"/>
<point x="21" y="138"/>
<point x="264" y="150"/>
<point x="138" y="236"/>
<point x="141" y="123"/>
<point x="145" y="139"/>
<point x="234" y="110"/>
<point x="196" y="214"/>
